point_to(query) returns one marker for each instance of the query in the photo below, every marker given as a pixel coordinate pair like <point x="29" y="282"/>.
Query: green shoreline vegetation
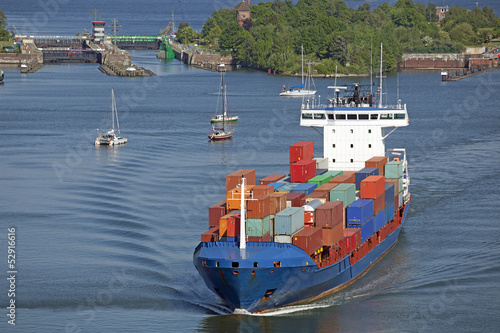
<point x="334" y="35"/>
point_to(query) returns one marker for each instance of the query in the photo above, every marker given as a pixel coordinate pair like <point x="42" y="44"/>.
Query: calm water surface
<point x="105" y="236"/>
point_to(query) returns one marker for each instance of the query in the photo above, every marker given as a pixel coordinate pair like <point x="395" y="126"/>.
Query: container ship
<point x="297" y="235"/>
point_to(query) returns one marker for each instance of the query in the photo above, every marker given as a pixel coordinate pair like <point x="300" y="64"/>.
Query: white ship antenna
<point x="381" y="90"/>
<point x="243" y="243"/>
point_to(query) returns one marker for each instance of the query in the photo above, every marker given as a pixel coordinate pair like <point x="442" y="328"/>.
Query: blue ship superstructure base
<point x="268" y="275"/>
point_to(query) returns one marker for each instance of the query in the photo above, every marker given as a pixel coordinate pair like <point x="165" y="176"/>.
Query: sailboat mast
<point x="113" y="109"/>
<point x="302" y="63"/>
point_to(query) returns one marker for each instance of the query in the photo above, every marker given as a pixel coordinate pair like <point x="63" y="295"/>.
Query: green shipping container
<point x="393" y="170"/>
<point x="320" y="179"/>
<point x="345" y="193"/>
<point x="258" y="227"/>
<point x="334" y="173"/>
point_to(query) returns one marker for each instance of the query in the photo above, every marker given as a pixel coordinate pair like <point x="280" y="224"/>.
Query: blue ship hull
<point x="269" y="275"/>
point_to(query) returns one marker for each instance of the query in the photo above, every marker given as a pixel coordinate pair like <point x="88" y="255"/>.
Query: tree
<point x="463" y="33"/>
<point x="186" y="34"/>
<point x="228" y="36"/>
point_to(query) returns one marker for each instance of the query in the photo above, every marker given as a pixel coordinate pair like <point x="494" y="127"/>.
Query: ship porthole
<point x="236" y="272"/>
<point x="253" y="272"/>
<point x="272" y="271"/>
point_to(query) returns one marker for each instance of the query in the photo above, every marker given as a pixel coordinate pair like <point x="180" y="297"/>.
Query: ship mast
<point x="243" y="243"/>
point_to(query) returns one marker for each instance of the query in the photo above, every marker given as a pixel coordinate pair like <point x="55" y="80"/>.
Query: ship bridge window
<point x="307" y="116"/>
<point x="386" y="116"/>
<point x="374" y="116"/>
<point x="399" y="116"/>
<point x="363" y="117"/>
<point x="319" y="116"/>
<point x="330" y="116"/>
<point x="340" y="116"/>
<point x="352" y="116"/>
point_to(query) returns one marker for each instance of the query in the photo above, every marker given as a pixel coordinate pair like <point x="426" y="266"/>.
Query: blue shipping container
<point x="288" y="187"/>
<point x="277" y="186"/>
<point x="320" y="171"/>
<point x="380" y="220"/>
<point x="389" y="212"/>
<point x="289" y="221"/>
<point x="364" y="173"/>
<point x="367" y="229"/>
<point x="306" y="188"/>
<point x="389" y="194"/>
<point x="359" y="211"/>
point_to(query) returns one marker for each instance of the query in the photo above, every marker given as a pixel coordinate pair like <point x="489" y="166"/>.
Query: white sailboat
<point x="110" y="138"/>
<point x="222" y="130"/>
<point x="299" y="91"/>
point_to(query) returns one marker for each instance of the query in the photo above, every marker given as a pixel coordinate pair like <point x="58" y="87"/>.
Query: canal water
<point x="105" y="237"/>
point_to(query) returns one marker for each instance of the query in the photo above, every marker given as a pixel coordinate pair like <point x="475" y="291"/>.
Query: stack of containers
<point x="215" y="212"/>
<point x="394" y="175"/>
<point x="330" y="217"/>
<point x="308" y="239"/>
<point x="309" y="209"/>
<point x="363" y="173"/>
<point x="302" y="165"/>
<point x="271" y="179"/>
<point x="229" y="226"/>
<point x="343" y="192"/>
<point x="373" y="187"/>
<point x="234" y="178"/>
<point x="389" y="202"/>
<point x="360" y="215"/>
<point x="377" y="162"/>
<point x="287" y="222"/>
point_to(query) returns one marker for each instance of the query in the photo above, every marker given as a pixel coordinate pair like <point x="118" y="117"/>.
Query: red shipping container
<point x="378" y="204"/>
<point x="325" y="188"/>
<point x="308" y="239"/>
<point x="229" y="225"/>
<point x="266" y="238"/>
<point x="331" y="236"/>
<point x="262" y="190"/>
<point x="295" y="198"/>
<point x="372" y="187"/>
<point x="322" y="196"/>
<point x="302" y="171"/>
<point x="234" y="178"/>
<point x="211" y="235"/>
<point x="303" y="150"/>
<point x="215" y="212"/>
<point x="271" y="179"/>
<point x="377" y="162"/>
<point x="259" y="207"/>
<point x="277" y="202"/>
<point x="330" y="214"/>
<point x="344" y="179"/>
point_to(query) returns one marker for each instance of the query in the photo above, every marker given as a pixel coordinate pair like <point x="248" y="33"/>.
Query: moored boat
<point x="221" y="128"/>
<point x="270" y="243"/>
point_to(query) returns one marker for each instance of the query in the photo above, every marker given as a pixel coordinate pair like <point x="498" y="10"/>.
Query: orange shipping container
<point x="259" y="207"/>
<point x="234" y="178"/>
<point x="377" y="162"/>
<point x="333" y="235"/>
<point x="372" y="187"/>
<point x="277" y="202"/>
<point x="262" y="190"/>
<point x="233" y="197"/>
<point x="308" y="239"/>
<point x="344" y="179"/>
<point x="378" y="204"/>
<point x="271" y="179"/>
<point x="211" y="235"/>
